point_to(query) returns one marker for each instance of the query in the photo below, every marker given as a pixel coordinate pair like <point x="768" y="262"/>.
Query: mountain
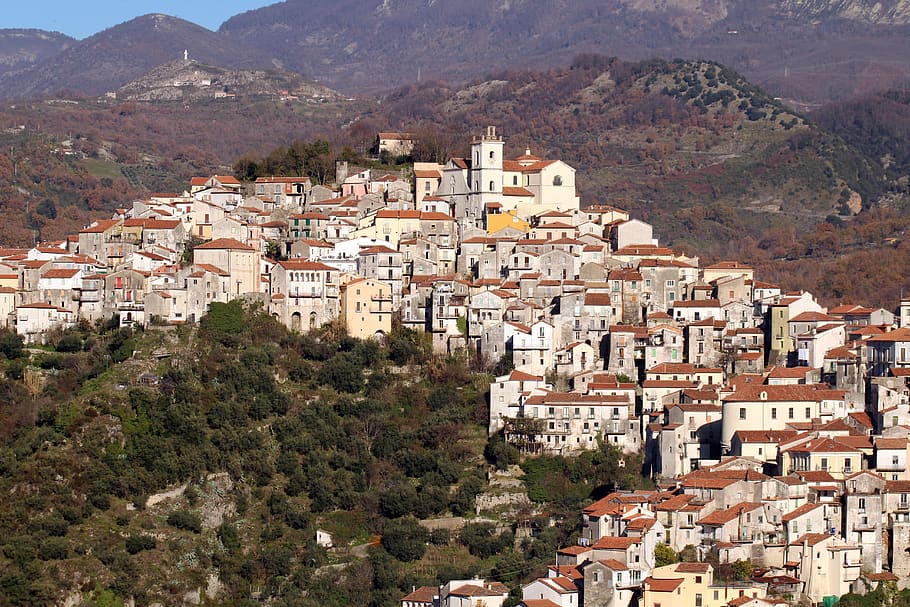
<point x="189" y="80"/>
<point x="111" y="58"/>
<point x="23" y="48"/>
<point x="716" y="164"/>
<point x="808" y="50"/>
<point x="889" y="12"/>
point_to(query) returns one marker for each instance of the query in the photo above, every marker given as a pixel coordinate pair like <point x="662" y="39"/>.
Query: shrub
<point x="405" y="539"/>
<point x="11" y="345"/>
<point x="138" y="543"/>
<point x="69" y="343"/>
<point x="53" y="548"/>
<point x="186" y="520"/>
<point x="482" y="541"/>
<point x="229" y="537"/>
<point x="440" y="537"/>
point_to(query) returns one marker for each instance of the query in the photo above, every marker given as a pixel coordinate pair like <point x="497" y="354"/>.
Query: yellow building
<point x="501" y="221"/>
<point x="366" y="308"/>
<point x="389" y="226"/>
<point x="692" y="584"/>
<point x="239" y="260"/>
<point x="826" y="454"/>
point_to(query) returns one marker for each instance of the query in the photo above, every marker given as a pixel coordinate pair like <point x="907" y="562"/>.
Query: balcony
<point x="307" y="294"/>
<point x="863" y="526"/>
<point x="891" y="467"/>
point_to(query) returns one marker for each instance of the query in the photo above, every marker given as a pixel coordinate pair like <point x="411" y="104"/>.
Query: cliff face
<point x="879" y="12"/>
<point x="839" y="48"/>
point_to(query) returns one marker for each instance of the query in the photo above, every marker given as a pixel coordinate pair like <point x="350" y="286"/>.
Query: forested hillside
<point x="161" y="464"/>
<point x="711" y="160"/>
<point x="65" y="164"/>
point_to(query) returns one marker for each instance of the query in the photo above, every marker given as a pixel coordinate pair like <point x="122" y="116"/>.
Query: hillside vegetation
<point x="163" y="464"/>
<point x="88" y="157"/>
<point x="719" y="167"/>
<point x="669" y="141"/>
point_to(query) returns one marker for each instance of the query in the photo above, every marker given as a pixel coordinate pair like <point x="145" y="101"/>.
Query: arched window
<point x="491" y="186"/>
<point x="491" y="154"/>
<point x="557" y="180"/>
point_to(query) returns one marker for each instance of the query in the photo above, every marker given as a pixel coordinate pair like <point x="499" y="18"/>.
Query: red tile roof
<point x="798" y="512"/>
<point x="60" y="273"/>
<point x="656" y="585"/>
<point x="227" y="244"/>
<point x="615" y="543"/>
<point x="722" y="517"/>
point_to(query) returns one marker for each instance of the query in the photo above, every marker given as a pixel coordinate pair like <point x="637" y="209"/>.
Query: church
<point x="488" y="184"/>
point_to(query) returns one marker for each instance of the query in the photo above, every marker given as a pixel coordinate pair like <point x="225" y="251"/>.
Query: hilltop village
<point x="776" y="429"/>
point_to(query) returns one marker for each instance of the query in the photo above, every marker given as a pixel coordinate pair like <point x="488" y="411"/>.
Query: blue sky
<point x="81" y="19"/>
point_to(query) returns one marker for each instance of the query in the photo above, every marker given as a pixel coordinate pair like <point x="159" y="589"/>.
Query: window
<point x="698" y="600"/>
<point x="514" y="179"/>
<point x="742" y="413"/>
<point x="808" y="413"/>
<point x="557" y="180"/>
<point x="790" y="413"/>
<point x="825" y="467"/>
<point x="773" y="412"/>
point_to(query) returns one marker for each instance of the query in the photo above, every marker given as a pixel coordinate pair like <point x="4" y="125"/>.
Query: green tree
<point x="11" y="345"/>
<point x="664" y="555"/>
<point x="742" y="570"/>
<point x="405" y="539"/>
<point x="224" y="322"/>
<point x="482" y="540"/>
<point x="500" y="453"/>
<point x="229" y="537"/>
<point x="689" y="554"/>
